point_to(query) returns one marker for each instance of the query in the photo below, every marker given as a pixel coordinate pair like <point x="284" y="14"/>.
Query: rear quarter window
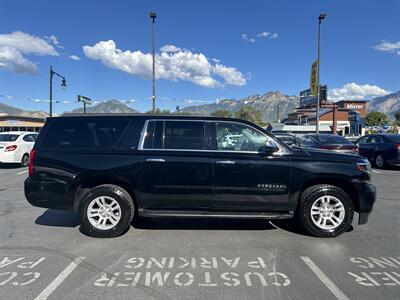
<point x="84" y="133"/>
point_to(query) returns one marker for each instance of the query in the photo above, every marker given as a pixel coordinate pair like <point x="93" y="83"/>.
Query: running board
<point x="205" y="214"/>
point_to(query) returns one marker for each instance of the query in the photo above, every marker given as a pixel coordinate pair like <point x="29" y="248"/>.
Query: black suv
<point x="110" y="168"/>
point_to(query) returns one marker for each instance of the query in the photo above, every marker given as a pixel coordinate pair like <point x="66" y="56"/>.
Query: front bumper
<point x="366" y="193"/>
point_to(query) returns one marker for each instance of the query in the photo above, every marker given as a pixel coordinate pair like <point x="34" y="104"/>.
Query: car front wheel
<point x="106" y="211"/>
<point x="325" y="210"/>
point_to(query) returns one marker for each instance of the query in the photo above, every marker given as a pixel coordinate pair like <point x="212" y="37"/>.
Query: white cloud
<point x="263" y="34"/>
<point x="392" y="47"/>
<point x="273" y="36"/>
<point x="246" y="38"/>
<point x="180" y="65"/>
<point x="170" y="48"/>
<point x="52" y="39"/>
<point x="15" y="45"/>
<point x="230" y="74"/>
<point x="74" y="57"/>
<point x="354" y="91"/>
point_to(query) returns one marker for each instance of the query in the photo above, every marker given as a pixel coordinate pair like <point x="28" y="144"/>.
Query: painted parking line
<point x="375" y="171"/>
<point x="59" y="279"/>
<point x="324" y="279"/>
<point x="23" y="172"/>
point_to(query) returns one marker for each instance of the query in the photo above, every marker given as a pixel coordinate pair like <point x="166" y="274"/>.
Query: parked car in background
<point x="15" y="146"/>
<point x="381" y="149"/>
<point x="330" y="142"/>
<point x="288" y="139"/>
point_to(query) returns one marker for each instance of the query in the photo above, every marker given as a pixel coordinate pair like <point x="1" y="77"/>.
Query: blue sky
<point x="222" y="49"/>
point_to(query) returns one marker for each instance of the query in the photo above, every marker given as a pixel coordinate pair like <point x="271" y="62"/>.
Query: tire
<point x="116" y="219"/>
<point x="380" y="161"/>
<point x="25" y="160"/>
<point x="325" y="211"/>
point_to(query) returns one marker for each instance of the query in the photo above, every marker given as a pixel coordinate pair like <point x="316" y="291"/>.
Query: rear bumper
<point x="366" y="192"/>
<point x="8" y="157"/>
<point x="47" y="194"/>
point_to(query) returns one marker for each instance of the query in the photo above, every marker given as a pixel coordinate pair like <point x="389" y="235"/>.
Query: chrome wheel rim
<point x="327" y="212"/>
<point x="379" y="161"/>
<point x="104" y="213"/>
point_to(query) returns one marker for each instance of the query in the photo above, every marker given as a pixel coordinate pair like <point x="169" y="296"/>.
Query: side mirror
<point x="270" y="147"/>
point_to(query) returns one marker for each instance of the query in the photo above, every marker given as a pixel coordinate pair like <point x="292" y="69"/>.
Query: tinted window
<point x="238" y="137"/>
<point x="332" y="139"/>
<point x="84" y="133"/>
<point x="393" y="138"/>
<point x="375" y="140"/>
<point x="184" y="135"/>
<point x="28" y="138"/>
<point x="364" y="140"/>
<point x="8" y="137"/>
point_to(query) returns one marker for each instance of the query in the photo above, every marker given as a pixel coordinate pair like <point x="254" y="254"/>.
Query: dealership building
<point x="20" y="123"/>
<point x="347" y="115"/>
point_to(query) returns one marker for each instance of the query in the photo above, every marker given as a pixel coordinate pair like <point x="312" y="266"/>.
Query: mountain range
<point x="388" y="104"/>
<point x="268" y="104"/>
<point x="107" y="107"/>
<point x="14" y="111"/>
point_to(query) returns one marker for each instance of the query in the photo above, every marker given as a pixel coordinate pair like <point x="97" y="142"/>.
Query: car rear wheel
<point x="25" y="160"/>
<point x="380" y="161"/>
<point x="325" y="210"/>
<point x="106" y="211"/>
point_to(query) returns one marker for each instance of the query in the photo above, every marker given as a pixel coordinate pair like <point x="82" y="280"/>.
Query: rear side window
<point x="332" y="139"/>
<point x="172" y="135"/>
<point x="28" y="138"/>
<point x="8" y="137"/>
<point x="393" y="138"/>
<point x="84" y="133"/>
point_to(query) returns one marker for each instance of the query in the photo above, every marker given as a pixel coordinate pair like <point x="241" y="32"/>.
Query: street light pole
<point x="320" y="18"/>
<point x="63" y="86"/>
<point x="153" y="17"/>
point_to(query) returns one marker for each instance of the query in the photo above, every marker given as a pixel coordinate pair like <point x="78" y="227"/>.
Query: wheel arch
<point x="88" y="183"/>
<point x="341" y="183"/>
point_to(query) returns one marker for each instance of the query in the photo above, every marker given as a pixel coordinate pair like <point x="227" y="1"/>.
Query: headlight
<point x="364" y="166"/>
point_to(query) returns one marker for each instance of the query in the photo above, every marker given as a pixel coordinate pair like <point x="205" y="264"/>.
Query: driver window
<point x="238" y="137"/>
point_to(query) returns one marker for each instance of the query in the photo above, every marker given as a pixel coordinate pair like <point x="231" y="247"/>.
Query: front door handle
<point x="225" y="162"/>
<point x="155" y="160"/>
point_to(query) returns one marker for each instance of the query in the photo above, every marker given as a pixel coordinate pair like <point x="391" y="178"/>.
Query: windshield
<point x="8" y="137"/>
<point x="332" y="139"/>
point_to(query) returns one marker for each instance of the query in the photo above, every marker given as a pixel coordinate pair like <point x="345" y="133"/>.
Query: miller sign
<point x="354" y="106"/>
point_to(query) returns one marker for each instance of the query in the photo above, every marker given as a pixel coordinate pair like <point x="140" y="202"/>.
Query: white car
<point x="15" y="146"/>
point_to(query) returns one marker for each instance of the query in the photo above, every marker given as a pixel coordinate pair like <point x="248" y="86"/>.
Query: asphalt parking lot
<point x="43" y="255"/>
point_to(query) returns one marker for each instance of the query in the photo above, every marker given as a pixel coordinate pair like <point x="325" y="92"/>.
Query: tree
<point x="250" y="114"/>
<point x="397" y="116"/>
<point x="376" y="118"/>
<point x="223" y="113"/>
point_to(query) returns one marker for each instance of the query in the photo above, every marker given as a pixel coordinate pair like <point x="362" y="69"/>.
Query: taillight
<point x="31" y="165"/>
<point x="356" y="150"/>
<point x="10" y="148"/>
<point x="398" y="147"/>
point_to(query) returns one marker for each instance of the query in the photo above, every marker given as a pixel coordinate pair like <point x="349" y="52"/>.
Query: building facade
<point x="19" y="123"/>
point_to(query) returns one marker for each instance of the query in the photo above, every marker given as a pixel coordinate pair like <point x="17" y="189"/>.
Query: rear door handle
<point x="225" y="162"/>
<point x="155" y="160"/>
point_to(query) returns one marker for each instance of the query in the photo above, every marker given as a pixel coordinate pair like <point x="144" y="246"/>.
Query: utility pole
<point x="153" y="17"/>
<point x="320" y="18"/>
